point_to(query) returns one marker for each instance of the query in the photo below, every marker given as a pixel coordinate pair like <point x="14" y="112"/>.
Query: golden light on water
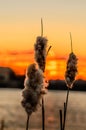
<point x="51" y="65"/>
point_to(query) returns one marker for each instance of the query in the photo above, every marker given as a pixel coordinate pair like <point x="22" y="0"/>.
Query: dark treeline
<point x="18" y="82"/>
<point x="8" y="78"/>
<point x="13" y="83"/>
<point x="79" y="85"/>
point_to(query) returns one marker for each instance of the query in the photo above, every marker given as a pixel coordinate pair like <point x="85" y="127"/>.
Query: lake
<point x="14" y="115"/>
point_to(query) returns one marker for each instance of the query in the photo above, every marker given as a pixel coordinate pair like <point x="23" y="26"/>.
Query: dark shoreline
<point x="18" y="82"/>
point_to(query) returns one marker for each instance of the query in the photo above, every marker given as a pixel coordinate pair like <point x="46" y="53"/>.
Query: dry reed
<point x="71" y="71"/>
<point x="35" y="84"/>
<point x="40" y="57"/>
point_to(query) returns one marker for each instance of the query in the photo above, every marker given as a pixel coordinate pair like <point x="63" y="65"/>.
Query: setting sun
<point x="51" y="65"/>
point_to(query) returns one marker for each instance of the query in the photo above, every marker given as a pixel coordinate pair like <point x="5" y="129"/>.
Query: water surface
<point x="15" y="117"/>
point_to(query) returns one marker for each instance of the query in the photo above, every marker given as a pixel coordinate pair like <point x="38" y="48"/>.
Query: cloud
<point x="24" y="52"/>
<point x="12" y="53"/>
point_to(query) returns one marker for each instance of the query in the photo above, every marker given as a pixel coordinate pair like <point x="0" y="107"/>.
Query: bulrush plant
<point x="40" y="57"/>
<point x="71" y="68"/>
<point x="35" y="83"/>
<point x="41" y="53"/>
<point x="33" y="91"/>
<point x="70" y="74"/>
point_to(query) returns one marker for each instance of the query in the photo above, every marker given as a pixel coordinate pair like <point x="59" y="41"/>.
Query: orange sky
<point x="20" y="25"/>
<point x="55" y="66"/>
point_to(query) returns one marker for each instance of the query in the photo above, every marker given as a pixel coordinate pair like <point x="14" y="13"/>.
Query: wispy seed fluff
<point x="34" y="89"/>
<point x="71" y="70"/>
<point x="40" y="52"/>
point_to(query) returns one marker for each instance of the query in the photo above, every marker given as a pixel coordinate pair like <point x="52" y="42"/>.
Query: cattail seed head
<point x="71" y="70"/>
<point x="40" y="52"/>
<point x="34" y="89"/>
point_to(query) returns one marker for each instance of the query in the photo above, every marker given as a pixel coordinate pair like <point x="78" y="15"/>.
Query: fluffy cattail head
<point x="34" y="77"/>
<point x="71" y="70"/>
<point x="31" y="100"/>
<point x="40" y="52"/>
<point x="34" y="89"/>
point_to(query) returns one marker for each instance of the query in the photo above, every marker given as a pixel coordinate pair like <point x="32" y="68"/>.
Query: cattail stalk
<point x="70" y="74"/>
<point x="43" y="114"/>
<point x="43" y="107"/>
<point x="60" y="112"/>
<point x="41" y="27"/>
<point x="71" y="42"/>
<point x="40" y="58"/>
<point x="70" y="77"/>
<point x="2" y="126"/>
<point x="65" y="109"/>
<point x="66" y="104"/>
<point x="27" y="123"/>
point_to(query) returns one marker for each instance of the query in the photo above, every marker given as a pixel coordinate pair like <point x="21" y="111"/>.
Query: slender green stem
<point x="43" y="115"/>
<point x="65" y="109"/>
<point x="71" y="42"/>
<point x="60" y="112"/>
<point x="41" y="27"/>
<point x="27" y="123"/>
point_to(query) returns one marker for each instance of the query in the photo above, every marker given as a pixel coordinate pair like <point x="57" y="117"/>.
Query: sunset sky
<point x="20" y="25"/>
